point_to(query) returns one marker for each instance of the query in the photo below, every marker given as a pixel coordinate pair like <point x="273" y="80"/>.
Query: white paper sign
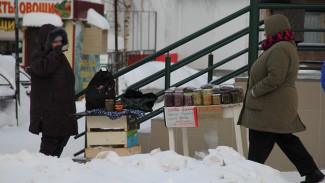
<point x="181" y="117"/>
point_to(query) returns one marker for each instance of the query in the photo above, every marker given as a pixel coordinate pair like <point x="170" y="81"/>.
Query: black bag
<point x="137" y="100"/>
<point x="101" y="87"/>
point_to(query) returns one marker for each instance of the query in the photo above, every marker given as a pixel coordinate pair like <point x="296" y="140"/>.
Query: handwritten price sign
<point x="181" y="117"/>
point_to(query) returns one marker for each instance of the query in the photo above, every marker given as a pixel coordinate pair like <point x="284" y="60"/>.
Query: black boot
<point x="314" y="177"/>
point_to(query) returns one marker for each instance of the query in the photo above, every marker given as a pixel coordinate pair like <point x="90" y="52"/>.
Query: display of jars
<point x="197" y="97"/>
<point x="188" y="99"/>
<point x="169" y="99"/>
<point x="207" y="96"/>
<point x="178" y="98"/>
<point x="210" y="95"/>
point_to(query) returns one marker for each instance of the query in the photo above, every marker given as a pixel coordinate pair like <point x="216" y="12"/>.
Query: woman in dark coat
<point x="270" y="108"/>
<point x="52" y="92"/>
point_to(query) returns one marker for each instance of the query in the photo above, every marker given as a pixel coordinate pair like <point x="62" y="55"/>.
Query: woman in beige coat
<point x="270" y="107"/>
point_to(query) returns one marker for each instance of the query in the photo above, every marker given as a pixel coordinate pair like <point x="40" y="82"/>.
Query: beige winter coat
<point x="272" y="81"/>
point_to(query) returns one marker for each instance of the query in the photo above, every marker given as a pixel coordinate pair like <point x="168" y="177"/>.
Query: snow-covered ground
<point x="21" y="162"/>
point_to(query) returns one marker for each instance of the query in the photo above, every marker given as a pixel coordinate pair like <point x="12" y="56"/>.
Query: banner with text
<point x="63" y="8"/>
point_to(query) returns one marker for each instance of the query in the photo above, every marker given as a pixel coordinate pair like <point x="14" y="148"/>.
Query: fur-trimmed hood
<point x="48" y="33"/>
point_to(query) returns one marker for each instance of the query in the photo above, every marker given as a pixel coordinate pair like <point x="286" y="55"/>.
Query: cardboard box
<point x="209" y="113"/>
<point x="94" y="41"/>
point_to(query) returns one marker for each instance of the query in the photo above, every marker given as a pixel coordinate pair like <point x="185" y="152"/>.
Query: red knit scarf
<point x="286" y="35"/>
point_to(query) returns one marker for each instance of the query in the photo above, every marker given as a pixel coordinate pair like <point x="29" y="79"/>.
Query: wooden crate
<point x="92" y="152"/>
<point x="125" y="123"/>
<point x="104" y="123"/>
<point x="104" y="132"/>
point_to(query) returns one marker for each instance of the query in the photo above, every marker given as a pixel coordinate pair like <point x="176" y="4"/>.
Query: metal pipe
<point x="17" y="78"/>
<point x="167" y="72"/>
<point x="253" y="33"/>
<point x="210" y="63"/>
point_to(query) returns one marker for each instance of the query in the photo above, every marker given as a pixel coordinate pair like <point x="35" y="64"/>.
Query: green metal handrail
<point x="290" y="6"/>
<point x="182" y="41"/>
<point x="190" y="58"/>
<point x="302" y="30"/>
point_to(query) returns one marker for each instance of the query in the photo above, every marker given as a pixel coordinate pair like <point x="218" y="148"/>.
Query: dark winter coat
<point x="52" y="87"/>
<point x="272" y="79"/>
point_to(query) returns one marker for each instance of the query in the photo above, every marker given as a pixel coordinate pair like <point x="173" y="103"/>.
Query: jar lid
<point x="209" y="89"/>
<point x="169" y="91"/>
<point x="217" y="94"/>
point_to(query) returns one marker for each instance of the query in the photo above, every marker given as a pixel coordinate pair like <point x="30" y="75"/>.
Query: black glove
<point x="58" y="49"/>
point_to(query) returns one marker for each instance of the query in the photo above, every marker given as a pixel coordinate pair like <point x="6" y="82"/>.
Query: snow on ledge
<point x="38" y="19"/>
<point x="97" y="19"/>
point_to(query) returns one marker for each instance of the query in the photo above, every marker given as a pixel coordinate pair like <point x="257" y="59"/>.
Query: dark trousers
<point x="262" y="143"/>
<point x="52" y="145"/>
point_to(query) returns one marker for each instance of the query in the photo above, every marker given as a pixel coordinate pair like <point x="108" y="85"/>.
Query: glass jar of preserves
<point x="235" y="96"/>
<point x="197" y="97"/>
<point x="109" y="105"/>
<point x="178" y="98"/>
<point x="169" y="99"/>
<point x="188" y="99"/>
<point x="240" y="93"/>
<point x="207" y="96"/>
<point x="225" y="98"/>
<point x="216" y="99"/>
<point x="118" y="106"/>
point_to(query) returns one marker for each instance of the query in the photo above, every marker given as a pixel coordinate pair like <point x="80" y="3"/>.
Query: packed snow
<point x="37" y="19"/>
<point x="221" y="165"/>
<point x="96" y="19"/>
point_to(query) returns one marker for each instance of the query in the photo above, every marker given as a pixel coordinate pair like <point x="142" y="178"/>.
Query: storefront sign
<point x="7" y="25"/>
<point x="181" y="117"/>
<point x="59" y="7"/>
